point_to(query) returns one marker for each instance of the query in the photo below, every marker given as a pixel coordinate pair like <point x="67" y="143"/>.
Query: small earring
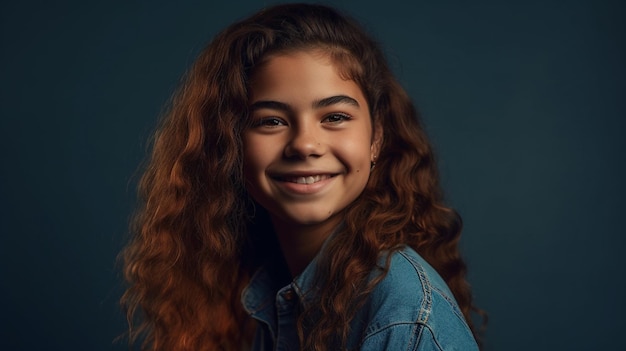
<point x="372" y="165"/>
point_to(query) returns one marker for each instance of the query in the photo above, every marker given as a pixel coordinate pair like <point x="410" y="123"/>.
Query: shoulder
<point x="412" y="282"/>
<point x="412" y="305"/>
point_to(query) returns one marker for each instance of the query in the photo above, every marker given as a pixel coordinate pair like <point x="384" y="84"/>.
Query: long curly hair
<point x="192" y="251"/>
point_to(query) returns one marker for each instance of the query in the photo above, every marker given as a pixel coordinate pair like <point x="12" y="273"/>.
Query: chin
<point x="307" y="218"/>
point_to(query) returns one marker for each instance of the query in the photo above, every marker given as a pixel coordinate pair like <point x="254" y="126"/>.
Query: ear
<point x="377" y="141"/>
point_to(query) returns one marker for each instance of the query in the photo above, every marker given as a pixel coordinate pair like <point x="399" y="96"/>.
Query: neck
<point x="301" y="243"/>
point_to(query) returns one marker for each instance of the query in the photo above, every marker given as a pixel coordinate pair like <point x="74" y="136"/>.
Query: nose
<point x="305" y="141"/>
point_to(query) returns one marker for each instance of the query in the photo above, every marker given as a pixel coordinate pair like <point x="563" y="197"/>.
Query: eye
<point x="336" y="118"/>
<point x="269" y="122"/>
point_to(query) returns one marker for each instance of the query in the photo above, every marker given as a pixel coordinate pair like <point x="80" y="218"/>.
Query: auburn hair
<point x="192" y="252"/>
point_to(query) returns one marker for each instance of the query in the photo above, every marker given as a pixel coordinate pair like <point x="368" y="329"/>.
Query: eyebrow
<point x="333" y="100"/>
<point x="329" y="101"/>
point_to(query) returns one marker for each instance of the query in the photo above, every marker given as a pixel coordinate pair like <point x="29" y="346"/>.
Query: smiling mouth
<point x="306" y="180"/>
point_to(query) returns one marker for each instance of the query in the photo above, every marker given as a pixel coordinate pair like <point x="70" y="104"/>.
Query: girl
<point x="292" y="202"/>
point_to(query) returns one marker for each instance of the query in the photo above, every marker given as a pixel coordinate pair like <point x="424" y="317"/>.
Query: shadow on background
<point x="524" y="101"/>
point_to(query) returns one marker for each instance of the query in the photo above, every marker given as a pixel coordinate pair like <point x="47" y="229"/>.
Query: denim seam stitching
<point x="426" y="307"/>
<point x="417" y="336"/>
<point x="397" y="324"/>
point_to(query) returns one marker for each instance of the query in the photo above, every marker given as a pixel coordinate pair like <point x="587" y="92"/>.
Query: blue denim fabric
<point x="410" y="309"/>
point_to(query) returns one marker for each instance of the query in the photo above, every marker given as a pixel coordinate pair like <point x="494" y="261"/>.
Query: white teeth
<point x="306" y="180"/>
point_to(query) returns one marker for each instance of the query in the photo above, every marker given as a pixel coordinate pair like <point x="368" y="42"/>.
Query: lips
<point x="303" y="182"/>
<point x="306" y="179"/>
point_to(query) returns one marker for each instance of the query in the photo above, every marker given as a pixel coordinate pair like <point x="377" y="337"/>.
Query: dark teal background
<point x="524" y="101"/>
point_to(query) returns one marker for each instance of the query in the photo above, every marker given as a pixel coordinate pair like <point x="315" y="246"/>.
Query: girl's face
<point x="308" y="152"/>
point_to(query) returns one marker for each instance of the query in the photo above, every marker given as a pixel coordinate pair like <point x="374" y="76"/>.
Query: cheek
<point x="257" y="155"/>
<point x="356" y="149"/>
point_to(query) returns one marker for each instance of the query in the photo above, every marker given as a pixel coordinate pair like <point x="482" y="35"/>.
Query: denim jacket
<point x="410" y="309"/>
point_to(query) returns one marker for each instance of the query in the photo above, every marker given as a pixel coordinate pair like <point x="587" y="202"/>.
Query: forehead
<point x="301" y="74"/>
<point x="277" y="61"/>
<point x="347" y="65"/>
